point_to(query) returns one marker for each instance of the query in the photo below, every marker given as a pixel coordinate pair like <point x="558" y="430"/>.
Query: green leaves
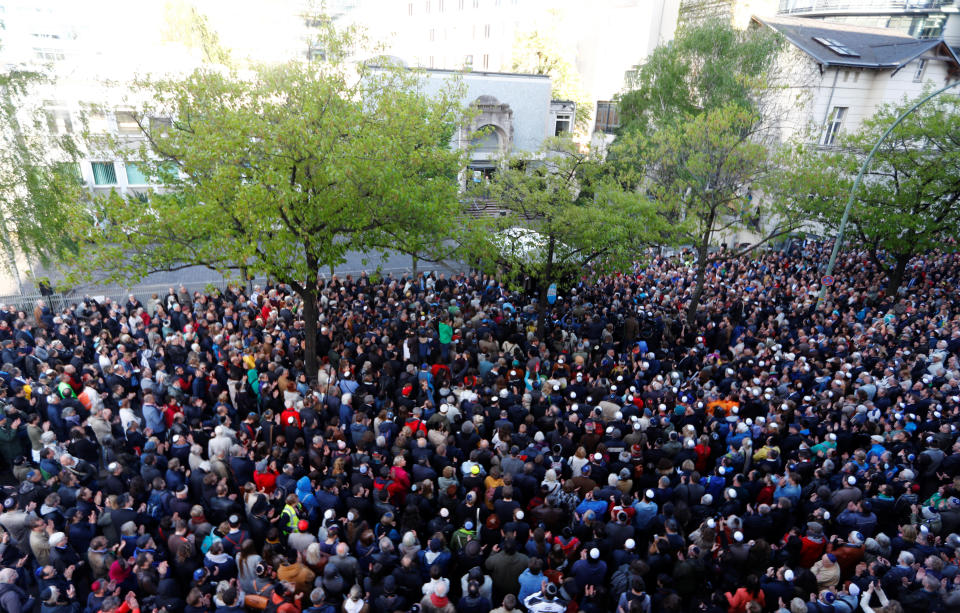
<point x="908" y="200"/>
<point x="40" y="192"/>
<point x="565" y="196"/>
<point x="706" y="67"/>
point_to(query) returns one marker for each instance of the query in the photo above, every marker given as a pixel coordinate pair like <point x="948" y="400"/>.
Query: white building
<point x="515" y="113"/>
<point x="837" y="75"/>
<point x="603" y="39"/>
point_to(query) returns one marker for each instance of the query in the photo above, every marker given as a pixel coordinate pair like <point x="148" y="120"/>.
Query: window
<point x="562" y="125"/>
<point x="608" y="117"/>
<point x="127" y="123"/>
<point x="833" y="125"/>
<point x="921" y="67"/>
<point x="476" y="4"/>
<point x="431" y="61"/>
<point x="104" y="173"/>
<point x="135" y="174"/>
<point x="433" y="34"/>
<point x="462" y="2"/>
<point x="48" y="55"/>
<point x="468" y="61"/>
<point x="836" y="47"/>
<point x="428" y="6"/>
<point x="486" y="61"/>
<point x="99" y="123"/>
<point x="410" y="9"/>
<point x="486" y="31"/>
<point x="59" y="121"/>
<point x="440" y="5"/>
<point x="160" y="125"/>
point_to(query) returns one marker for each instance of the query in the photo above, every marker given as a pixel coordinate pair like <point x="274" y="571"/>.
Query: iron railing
<point x="800" y="7"/>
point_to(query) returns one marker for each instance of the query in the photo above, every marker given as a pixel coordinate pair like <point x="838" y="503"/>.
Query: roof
<point x="484" y="73"/>
<point x="839" y="44"/>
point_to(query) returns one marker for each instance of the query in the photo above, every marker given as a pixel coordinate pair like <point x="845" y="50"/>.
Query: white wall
<point x="527" y="95"/>
<point x="813" y="94"/>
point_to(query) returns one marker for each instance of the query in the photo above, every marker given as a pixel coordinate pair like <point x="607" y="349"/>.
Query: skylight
<point x="836" y="47"/>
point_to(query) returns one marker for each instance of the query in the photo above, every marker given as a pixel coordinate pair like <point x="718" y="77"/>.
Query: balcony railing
<point x="872" y="7"/>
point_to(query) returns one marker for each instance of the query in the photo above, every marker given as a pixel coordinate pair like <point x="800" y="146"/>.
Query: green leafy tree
<point x="705" y="67"/>
<point x="539" y="52"/>
<point x="281" y="171"/>
<point x="184" y="24"/>
<point x="909" y="200"/>
<point x="41" y="192"/>
<point x="564" y="217"/>
<point x="703" y="173"/>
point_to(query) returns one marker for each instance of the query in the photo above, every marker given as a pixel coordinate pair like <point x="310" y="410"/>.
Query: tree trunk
<point x="544" y="287"/>
<point x="895" y="277"/>
<point x="310" y="315"/>
<point x="413" y="265"/>
<point x="702" y="252"/>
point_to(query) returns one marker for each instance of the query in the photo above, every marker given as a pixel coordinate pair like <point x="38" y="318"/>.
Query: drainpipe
<point x="826" y="112"/>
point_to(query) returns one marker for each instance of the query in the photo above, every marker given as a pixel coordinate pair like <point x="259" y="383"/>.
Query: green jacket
<point x="446" y="333"/>
<point x="10" y="446"/>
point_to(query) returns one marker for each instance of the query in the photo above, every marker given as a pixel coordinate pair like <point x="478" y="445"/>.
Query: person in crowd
<point x="457" y="445"/>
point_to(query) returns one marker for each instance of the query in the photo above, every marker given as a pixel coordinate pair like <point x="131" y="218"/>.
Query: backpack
<point x="620" y="582"/>
<point x="156" y="504"/>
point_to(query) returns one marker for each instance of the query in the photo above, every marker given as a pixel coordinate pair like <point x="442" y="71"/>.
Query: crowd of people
<point x="774" y="454"/>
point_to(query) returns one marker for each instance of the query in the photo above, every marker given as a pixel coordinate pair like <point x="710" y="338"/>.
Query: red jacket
<point x="265" y="481"/>
<point x="811" y="551"/>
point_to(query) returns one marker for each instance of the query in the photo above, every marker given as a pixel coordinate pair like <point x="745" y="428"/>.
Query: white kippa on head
<point x="738" y="536"/>
<point x="788" y="575"/>
<point x="595" y="553"/>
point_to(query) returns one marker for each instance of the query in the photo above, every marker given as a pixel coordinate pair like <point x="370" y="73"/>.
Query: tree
<point x="184" y="24"/>
<point x="564" y="216"/>
<point x="703" y="173"/>
<point x="909" y="200"/>
<point x="40" y="189"/>
<point x="282" y="172"/>
<point x="707" y="66"/>
<point x="539" y="52"/>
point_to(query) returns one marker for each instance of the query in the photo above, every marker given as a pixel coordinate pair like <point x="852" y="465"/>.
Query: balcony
<point x="865" y="7"/>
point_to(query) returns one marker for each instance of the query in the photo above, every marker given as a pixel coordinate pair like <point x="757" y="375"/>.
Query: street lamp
<point x="863" y="170"/>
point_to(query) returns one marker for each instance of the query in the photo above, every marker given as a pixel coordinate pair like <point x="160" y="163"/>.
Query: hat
<point x="551" y="588"/>
<point x="56" y="538"/>
<point x="852" y="480"/>
<point x="629" y="544"/>
<point x="233" y="520"/>
<point x="475" y="469"/>
<point x="831" y="557"/>
<point x="595" y="553"/>
<point x="199" y="574"/>
<point x="788" y="575"/>
<point x="738" y="536"/>
<point x="303" y="525"/>
<point x="9" y="503"/>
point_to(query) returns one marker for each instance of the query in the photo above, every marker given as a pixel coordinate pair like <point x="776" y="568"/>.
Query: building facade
<point x="514" y="113"/>
<point x="837" y="75"/>
<point x="918" y="18"/>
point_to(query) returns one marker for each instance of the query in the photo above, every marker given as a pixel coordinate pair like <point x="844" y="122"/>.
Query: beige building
<point x="837" y="75"/>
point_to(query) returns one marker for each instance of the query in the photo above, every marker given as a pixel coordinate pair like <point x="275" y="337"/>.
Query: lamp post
<point x="856" y="183"/>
